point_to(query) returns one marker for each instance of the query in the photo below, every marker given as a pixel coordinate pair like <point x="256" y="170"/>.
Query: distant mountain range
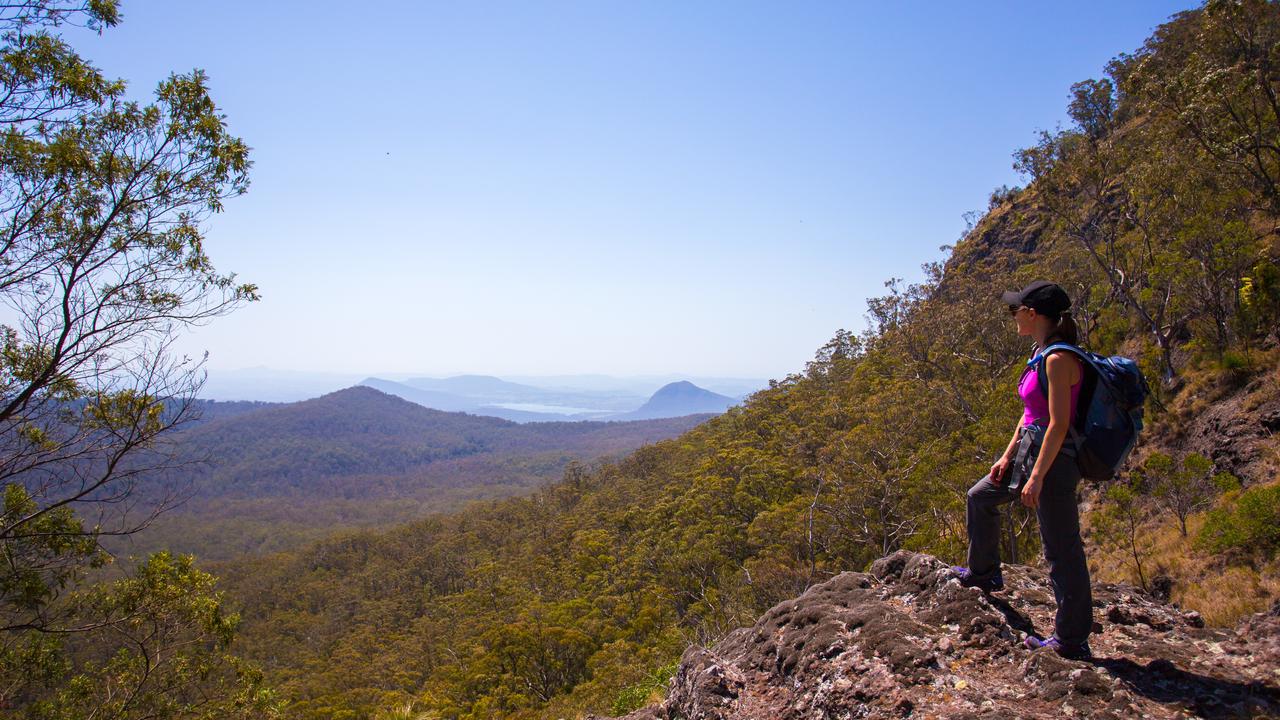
<point x="485" y="395"/>
<point x="278" y="474"/>
<point x="559" y="395"/>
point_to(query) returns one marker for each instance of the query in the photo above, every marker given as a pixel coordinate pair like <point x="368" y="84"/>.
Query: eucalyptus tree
<point x="102" y="265"/>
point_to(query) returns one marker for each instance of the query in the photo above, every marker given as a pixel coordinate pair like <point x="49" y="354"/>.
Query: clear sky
<point x="616" y="187"/>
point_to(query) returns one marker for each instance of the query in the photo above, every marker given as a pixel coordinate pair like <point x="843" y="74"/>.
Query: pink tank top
<point x="1034" y="400"/>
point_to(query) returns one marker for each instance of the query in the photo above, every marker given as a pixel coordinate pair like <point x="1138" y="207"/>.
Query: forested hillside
<point x="1157" y="211"/>
<point x="256" y="477"/>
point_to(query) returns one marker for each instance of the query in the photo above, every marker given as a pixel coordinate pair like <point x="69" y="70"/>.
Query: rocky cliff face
<point x="906" y="640"/>
<point x="1237" y="430"/>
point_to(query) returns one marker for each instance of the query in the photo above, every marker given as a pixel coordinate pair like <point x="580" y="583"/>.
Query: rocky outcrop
<point x="1004" y="239"/>
<point x="1237" y="431"/>
<point x="906" y="640"/>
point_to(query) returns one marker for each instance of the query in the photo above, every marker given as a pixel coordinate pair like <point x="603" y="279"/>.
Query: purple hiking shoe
<point x="990" y="585"/>
<point x="1069" y="651"/>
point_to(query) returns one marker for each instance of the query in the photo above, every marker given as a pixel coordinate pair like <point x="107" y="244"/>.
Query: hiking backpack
<point x="1109" y="414"/>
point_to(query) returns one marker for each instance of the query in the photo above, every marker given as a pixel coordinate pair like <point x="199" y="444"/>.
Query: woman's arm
<point x="1062" y="370"/>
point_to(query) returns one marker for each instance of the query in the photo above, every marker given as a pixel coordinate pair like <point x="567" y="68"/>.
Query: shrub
<point x="1002" y="195"/>
<point x="1235" y="361"/>
<point x="646" y="691"/>
<point x="1259" y="306"/>
<point x="1181" y="487"/>
<point x="1248" y="527"/>
<point x="1225" y="482"/>
<point x="1236" y="369"/>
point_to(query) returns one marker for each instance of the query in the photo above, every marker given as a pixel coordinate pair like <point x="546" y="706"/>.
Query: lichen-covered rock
<point x="906" y="640"/>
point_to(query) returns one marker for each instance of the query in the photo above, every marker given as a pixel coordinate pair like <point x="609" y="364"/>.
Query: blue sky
<point x="708" y="188"/>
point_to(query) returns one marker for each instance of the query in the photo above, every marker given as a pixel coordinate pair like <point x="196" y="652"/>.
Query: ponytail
<point x="1066" y="329"/>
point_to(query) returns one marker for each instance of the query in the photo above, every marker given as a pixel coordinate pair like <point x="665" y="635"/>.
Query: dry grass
<point x="1222" y="593"/>
<point x="1268" y="383"/>
<point x="1227" y="595"/>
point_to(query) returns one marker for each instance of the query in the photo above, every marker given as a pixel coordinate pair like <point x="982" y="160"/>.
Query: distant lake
<point x="536" y="407"/>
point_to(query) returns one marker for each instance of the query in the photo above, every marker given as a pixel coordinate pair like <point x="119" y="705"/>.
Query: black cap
<point x="1042" y="296"/>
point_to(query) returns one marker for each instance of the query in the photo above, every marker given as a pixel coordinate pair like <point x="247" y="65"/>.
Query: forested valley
<point x="1156" y="209"/>
<point x="261" y="478"/>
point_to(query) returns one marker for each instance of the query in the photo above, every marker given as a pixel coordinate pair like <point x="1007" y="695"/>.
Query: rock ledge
<point x="906" y="640"/>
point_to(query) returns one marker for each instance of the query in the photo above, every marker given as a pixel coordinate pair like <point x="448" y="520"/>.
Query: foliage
<point x="1260" y="299"/>
<point x="634" y="697"/>
<point x="152" y="644"/>
<point x="101" y="264"/>
<point x="1180" y="487"/>
<point x="1002" y="195"/>
<point x="168" y="657"/>
<point x="1247" y="527"/>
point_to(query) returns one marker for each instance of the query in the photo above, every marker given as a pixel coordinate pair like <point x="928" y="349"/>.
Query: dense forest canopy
<point x="1157" y="211"/>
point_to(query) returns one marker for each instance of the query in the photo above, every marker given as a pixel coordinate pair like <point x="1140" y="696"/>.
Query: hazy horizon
<point x="268" y="384"/>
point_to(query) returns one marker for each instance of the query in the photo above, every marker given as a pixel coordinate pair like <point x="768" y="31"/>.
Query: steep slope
<point x="906" y="640"/>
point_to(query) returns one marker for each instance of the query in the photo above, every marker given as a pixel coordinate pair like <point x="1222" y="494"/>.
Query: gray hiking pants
<point x="1059" y="518"/>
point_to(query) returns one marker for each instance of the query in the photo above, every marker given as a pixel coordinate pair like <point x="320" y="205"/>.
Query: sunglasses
<point x="1013" y="309"/>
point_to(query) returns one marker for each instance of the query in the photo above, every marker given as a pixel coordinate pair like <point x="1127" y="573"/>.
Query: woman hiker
<point x="1047" y="481"/>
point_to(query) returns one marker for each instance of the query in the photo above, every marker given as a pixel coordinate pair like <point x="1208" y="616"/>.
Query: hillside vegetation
<point x="1156" y="210"/>
<point x="271" y="477"/>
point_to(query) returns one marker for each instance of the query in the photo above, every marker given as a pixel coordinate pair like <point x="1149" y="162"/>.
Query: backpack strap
<point x="1039" y="359"/>
<point x="1038" y="362"/>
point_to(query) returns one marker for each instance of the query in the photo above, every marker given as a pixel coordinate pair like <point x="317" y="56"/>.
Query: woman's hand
<point x="998" y="470"/>
<point x="1031" y="491"/>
